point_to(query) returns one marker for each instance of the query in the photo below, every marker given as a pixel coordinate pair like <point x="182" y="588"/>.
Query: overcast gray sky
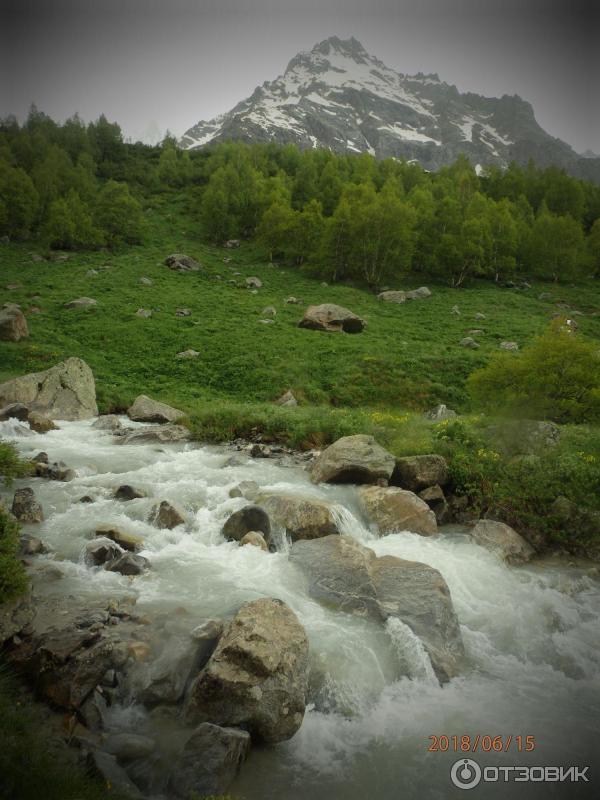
<point x="173" y="62"/>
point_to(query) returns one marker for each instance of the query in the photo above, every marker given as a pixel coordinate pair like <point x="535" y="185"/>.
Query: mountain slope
<point x="338" y="96"/>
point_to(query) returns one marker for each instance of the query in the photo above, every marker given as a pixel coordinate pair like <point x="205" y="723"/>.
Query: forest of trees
<point x="342" y="217"/>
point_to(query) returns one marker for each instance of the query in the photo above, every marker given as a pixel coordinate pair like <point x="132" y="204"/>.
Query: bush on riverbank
<point x="13" y="580"/>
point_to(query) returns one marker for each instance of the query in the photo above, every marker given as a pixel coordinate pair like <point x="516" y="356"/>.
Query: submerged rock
<point x="353" y="459"/>
<point x="128" y="541"/>
<point x="128" y="564"/>
<point x="57" y="471"/>
<point x="108" y="422"/>
<point x="164" y="515"/>
<point x="257" y="676"/>
<point x="126" y="493"/>
<point x="210" y="760"/>
<point x="163" y="434"/>
<point x="255" y="539"/>
<point x="100" y="551"/>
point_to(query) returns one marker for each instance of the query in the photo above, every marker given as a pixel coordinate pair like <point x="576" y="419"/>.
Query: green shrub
<point x="13" y="580"/>
<point x="557" y="377"/>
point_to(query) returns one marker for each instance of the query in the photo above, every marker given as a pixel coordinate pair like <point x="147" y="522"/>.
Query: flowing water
<point x="532" y="634"/>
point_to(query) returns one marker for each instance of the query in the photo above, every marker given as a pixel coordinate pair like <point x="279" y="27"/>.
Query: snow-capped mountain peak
<point x="340" y="97"/>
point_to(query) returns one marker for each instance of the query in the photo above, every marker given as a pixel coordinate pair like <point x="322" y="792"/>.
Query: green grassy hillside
<point x="408" y="357"/>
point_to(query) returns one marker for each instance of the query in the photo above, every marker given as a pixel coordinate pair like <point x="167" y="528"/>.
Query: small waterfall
<point x="412" y="656"/>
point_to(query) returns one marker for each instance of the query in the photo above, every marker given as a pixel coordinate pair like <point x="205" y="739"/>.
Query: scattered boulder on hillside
<point x="269" y="311"/>
<point x="291" y="300"/>
<point x="164" y="515"/>
<point x="144" y="313"/>
<point x="524" y="436"/>
<point x="436" y="500"/>
<point x="392" y="296"/>
<point x="247" y="519"/>
<point x="257" y="676"/>
<point x="253" y="282"/>
<point x="300" y="517"/>
<point x="469" y="343"/>
<point x="332" y="318"/>
<point x="232" y="243"/>
<point x="179" y="262"/>
<point x="144" y="409"/>
<point x="286" y="399"/>
<point x="393" y="510"/>
<point x="479" y="315"/>
<point x="163" y="434"/>
<point x="127" y="541"/>
<point x="66" y="391"/>
<point x="13" y="325"/>
<point x="502" y="540"/>
<point x="420" y="472"/>
<point x="455" y="310"/>
<point x="209" y="761"/>
<point x="188" y="354"/>
<point x="183" y="312"/>
<point x="254" y="539"/>
<point x="573" y="516"/>
<point x="82" y="302"/>
<point x="146" y="281"/>
<point x="343" y="574"/>
<point x="509" y="346"/>
<point x="440" y="412"/>
<point x="25" y="506"/>
<point x="353" y="459"/>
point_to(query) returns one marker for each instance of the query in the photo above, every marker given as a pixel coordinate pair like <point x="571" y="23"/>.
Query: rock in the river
<point x="163" y="434"/>
<point x="40" y="423"/>
<point x="101" y="551"/>
<point x="440" y="413"/>
<point x="144" y="409"/>
<point x="57" y="471"/>
<point x="249" y="518"/>
<point x="31" y="545"/>
<point x="420" y="472"/>
<point x="247" y="489"/>
<point x="108" y="422"/>
<point x="286" y="399"/>
<point x="126" y="492"/>
<point x="300" y="517"/>
<point x="25" y="507"/>
<point x="82" y="302"/>
<point x="254" y="539"/>
<point x="179" y="262"/>
<point x="164" y="515"/>
<point x="393" y="510"/>
<point x="436" y="500"/>
<point x="129" y="746"/>
<point x="329" y="317"/>
<point x="106" y="767"/>
<point x="13" y="325"/>
<point x="15" y="411"/>
<point x="167" y="677"/>
<point x="209" y="762"/>
<point x="502" y="540"/>
<point x="128" y="541"/>
<point x="257" y="676"/>
<point x="128" y="564"/>
<point x="353" y="459"/>
<point x="343" y="574"/>
<point x="66" y="391"/>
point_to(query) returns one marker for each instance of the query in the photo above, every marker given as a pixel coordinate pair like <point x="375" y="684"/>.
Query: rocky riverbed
<point x="375" y="656"/>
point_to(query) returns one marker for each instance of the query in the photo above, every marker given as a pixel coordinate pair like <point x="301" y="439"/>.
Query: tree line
<point x="341" y="217"/>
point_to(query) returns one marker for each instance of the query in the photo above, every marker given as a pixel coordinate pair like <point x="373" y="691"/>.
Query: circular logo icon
<point x="465" y="773"/>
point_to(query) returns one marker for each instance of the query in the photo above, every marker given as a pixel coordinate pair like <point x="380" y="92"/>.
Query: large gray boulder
<point x="13" y="325"/>
<point x="343" y="574"/>
<point x="392" y="296"/>
<point x="257" y="676"/>
<point x="210" y="760"/>
<point x="144" y="409"/>
<point x="179" y="262"/>
<point x="25" y="507"/>
<point x="300" y="517"/>
<point x="353" y="459"/>
<point x="163" y="434"/>
<point x="247" y="519"/>
<point x="420" y="472"/>
<point x="393" y="510"/>
<point x="66" y="391"/>
<point x="332" y="318"/>
<point x="502" y="540"/>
